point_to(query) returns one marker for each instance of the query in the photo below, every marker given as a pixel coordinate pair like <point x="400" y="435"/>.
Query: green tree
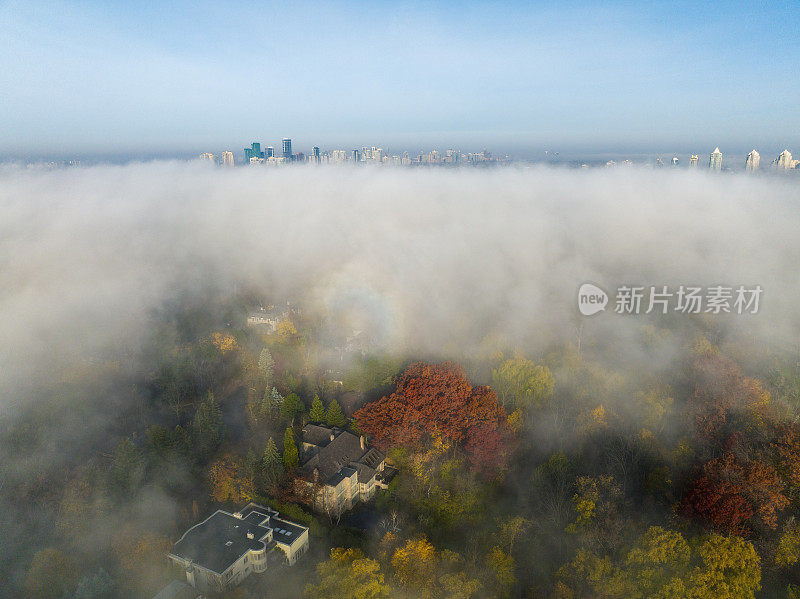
<point x="290" y="456"/>
<point x="348" y="574"/>
<point x="272" y="463"/>
<point x="522" y="384"/>
<point x="275" y="403"/>
<point x="292" y="407"/>
<point x="266" y="366"/>
<point x="127" y="468"/>
<point x="334" y="415"/>
<point x="207" y="428"/>
<point x="51" y="572"/>
<point x="317" y="413"/>
<point x="95" y="585"/>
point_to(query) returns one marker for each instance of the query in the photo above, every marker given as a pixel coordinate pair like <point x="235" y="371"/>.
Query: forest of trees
<point x="568" y="473"/>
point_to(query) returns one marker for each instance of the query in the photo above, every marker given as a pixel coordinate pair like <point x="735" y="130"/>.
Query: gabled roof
<point x="344" y="452"/>
<point x="317" y="435"/>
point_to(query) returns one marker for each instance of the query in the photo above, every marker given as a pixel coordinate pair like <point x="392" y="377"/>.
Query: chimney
<point x="250" y="535"/>
<point x="363" y="443"/>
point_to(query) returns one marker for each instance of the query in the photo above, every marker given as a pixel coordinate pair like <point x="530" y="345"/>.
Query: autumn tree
<point x="415" y="564"/>
<point x="230" y="482"/>
<point x="501" y="567"/>
<point x="788" y="449"/>
<point x="51" y="573"/>
<point x="334" y="415"/>
<point x="438" y="397"/>
<point x="662" y="564"/>
<point x="733" y="495"/>
<point x="290" y="455"/>
<point x="724" y="400"/>
<point x="348" y="573"/>
<point x="521" y="383"/>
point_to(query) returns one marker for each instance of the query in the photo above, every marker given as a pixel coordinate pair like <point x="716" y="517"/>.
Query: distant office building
<point x="356" y="156"/>
<point x="715" y="160"/>
<point x="270" y="152"/>
<point x="254" y="151"/>
<point x="675" y="162"/>
<point x="227" y="158"/>
<point x="783" y="161"/>
<point x="315" y="155"/>
<point x="693" y="160"/>
<point x="207" y="157"/>
<point x="287" y="148"/>
<point x="752" y="162"/>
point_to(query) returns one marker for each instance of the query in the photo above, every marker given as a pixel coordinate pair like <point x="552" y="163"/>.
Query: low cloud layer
<point x="445" y="259"/>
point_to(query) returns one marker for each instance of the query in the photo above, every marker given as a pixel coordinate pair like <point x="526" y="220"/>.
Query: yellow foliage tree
<point x="229" y="482"/>
<point x="224" y="342"/>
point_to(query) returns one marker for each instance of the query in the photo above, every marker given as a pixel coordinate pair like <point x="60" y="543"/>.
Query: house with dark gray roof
<point x="224" y="549"/>
<point x="340" y="468"/>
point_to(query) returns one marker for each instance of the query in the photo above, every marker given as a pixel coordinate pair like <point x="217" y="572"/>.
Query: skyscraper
<point x="693" y="160"/>
<point x="675" y="162"/>
<point x="254" y="151"/>
<point x="752" y="162"/>
<point x="315" y="154"/>
<point x="287" y="148"/>
<point x="227" y="158"/>
<point x="270" y="152"/>
<point x="715" y="160"/>
<point x="207" y="157"/>
<point x="784" y="160"/>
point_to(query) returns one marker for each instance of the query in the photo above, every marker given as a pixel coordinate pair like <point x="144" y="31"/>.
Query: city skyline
<point x="596" y="79"/>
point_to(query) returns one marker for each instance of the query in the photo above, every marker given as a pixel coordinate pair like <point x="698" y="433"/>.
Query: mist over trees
<point x="539" y="453"/>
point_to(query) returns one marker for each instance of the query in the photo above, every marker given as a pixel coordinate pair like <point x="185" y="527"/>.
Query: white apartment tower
<point x="752" y="162"/>
<point x="227" y="158"/>
<point x="715" y="160"/>
<point x="784" y="160"/>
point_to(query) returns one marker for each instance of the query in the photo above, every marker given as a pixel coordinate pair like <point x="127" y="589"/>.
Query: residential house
<point x="221" y="551"/>
<point x="340" y="468"/>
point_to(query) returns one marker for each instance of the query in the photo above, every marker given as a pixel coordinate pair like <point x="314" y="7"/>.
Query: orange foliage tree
<point x="438" y="398"/>
<point x="720" y="391"/>
<point x="732" y="495"/>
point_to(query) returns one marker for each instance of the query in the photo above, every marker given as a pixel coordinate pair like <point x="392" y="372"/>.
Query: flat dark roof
<point x="220" y="540"/>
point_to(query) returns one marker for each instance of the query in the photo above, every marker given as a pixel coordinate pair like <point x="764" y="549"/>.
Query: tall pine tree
<point x="317" y="413"/>
<point x="334" y="416"/>
<point x="275" y="403"/>
<point x="272" y="463"/>
<point x="266" y="366"/>
<point x="207" y="428"/>
<point x="290" y="455"/>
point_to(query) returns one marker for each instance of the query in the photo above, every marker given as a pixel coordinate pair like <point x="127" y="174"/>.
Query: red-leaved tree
<point x="439" y="397"/>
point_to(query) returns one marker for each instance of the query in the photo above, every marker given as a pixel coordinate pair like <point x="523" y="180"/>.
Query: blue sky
<point x="106" y="78"/>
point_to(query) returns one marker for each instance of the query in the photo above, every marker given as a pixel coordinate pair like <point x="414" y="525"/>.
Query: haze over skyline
<point x="130" y="79"/>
